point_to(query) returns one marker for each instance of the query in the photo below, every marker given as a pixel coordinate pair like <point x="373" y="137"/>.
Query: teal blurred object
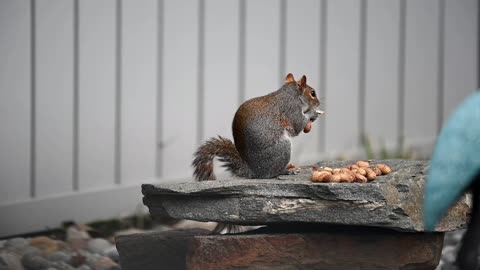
<point x="455" y="161"/>
<point x="454" y="169"/>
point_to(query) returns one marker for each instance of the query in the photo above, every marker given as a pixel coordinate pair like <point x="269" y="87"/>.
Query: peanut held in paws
<point x="308" y="127"/>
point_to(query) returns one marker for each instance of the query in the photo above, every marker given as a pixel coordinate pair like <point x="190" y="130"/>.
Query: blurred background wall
<point x="97" y="97"/>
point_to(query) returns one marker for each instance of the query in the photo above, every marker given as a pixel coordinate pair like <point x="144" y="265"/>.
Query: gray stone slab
<point x="155" y="250"/>
<point x="393" y="201"/>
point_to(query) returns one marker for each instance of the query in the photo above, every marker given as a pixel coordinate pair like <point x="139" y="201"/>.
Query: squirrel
<point x="262" y="130"/>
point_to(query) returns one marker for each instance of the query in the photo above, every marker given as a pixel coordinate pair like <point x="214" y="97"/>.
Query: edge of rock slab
<point x="393" y="201"/>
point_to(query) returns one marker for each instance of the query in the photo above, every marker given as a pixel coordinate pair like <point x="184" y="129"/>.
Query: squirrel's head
<point x="308" y="96"/>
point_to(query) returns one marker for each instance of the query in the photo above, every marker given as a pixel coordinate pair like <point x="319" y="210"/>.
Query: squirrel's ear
<point x="303" y="81"/>
<point x="289" y="78"/>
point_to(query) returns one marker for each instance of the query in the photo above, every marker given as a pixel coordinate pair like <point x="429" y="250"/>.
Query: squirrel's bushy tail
<point x="225" y="150"/>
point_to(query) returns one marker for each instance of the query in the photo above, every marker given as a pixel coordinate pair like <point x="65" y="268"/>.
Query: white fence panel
<point x="47" y="213"/>
<point x="262" y="48"/>
<point x="96" y="94"/>
<point x="302" y="39"/>
<point x="341" y="119"/>
<point x="54" y="97"/>
<point x="14" y="101"/>
<point x="461" y="43"/>
<point x="421" y="71"/>
<point x="138" y="90"/>
<point x="180" y="89"/>
<point x="381" y="74"/>
<point x="221" y="67"/>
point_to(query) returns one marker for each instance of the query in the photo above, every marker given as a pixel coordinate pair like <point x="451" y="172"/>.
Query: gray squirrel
<point x="262" y="131"/>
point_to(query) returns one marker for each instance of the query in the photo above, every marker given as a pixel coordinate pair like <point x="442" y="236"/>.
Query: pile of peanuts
<point x="360" y="172"/>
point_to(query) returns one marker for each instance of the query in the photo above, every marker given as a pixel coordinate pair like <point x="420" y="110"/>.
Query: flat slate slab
<point x="393" y="201"/>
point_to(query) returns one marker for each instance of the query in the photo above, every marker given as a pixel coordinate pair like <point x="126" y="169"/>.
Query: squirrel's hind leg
<point x="271" y="161"/>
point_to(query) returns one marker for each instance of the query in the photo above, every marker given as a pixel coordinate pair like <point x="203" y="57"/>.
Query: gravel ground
<point x="78" y="252"/>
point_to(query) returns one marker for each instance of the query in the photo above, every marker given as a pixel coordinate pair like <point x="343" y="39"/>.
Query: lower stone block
<point x="155" y="250"/>
<point x="339" y="249"/>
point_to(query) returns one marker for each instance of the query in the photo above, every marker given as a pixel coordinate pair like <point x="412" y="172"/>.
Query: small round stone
<point x="45" y="244"/>
<point x="449" y="254"/>
<point x="92" y="259"/>
<point x="60" y="256"/>
<point x="62" y="266"/>
<point x="105" y="263"/>
<point x="35" y="262"/>
<point x="16" y="243"/>
<point x="31" y="251"/>
<point x="112" y="252"/>
<point x="98" y="245"/>
<point x="9" y="260"/>
<point x="84" y="267"/>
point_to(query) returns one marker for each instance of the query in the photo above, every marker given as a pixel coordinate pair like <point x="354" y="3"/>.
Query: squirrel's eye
<point x="313" y="93"/>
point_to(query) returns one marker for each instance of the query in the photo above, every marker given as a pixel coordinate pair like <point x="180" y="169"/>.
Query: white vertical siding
<point x="262" y="48"/>
<point x="14" y="101"/>
<point x="421" y="70"/>
<point x="342" y="128"/>
<point x="180" y="90"/>
<point x="96" y="93"/>
<point x="138" y="102"/>
<point x="54" y="96"/>
<point x="221" y="66"/>
<point x="461" y="43"/>
<point x="381" y="87"/>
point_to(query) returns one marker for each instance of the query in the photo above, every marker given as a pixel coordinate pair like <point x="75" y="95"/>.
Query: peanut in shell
<point x="353" y="166"/>
<point x="384" y="168"/>
<point x="322" y="176"/>
<point x="336" y="178"/>
<point x="327" y="169"/>
<point x="360" y="178"/>
<point x="362" y="164"/>
<point x="362" y="171"/>
<point x="371" y="175"/>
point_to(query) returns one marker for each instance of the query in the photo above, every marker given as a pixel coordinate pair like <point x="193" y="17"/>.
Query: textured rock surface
<point x="155" y="250"/>
<point x="392" y="201"/>
<point x="333" y="250"/>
